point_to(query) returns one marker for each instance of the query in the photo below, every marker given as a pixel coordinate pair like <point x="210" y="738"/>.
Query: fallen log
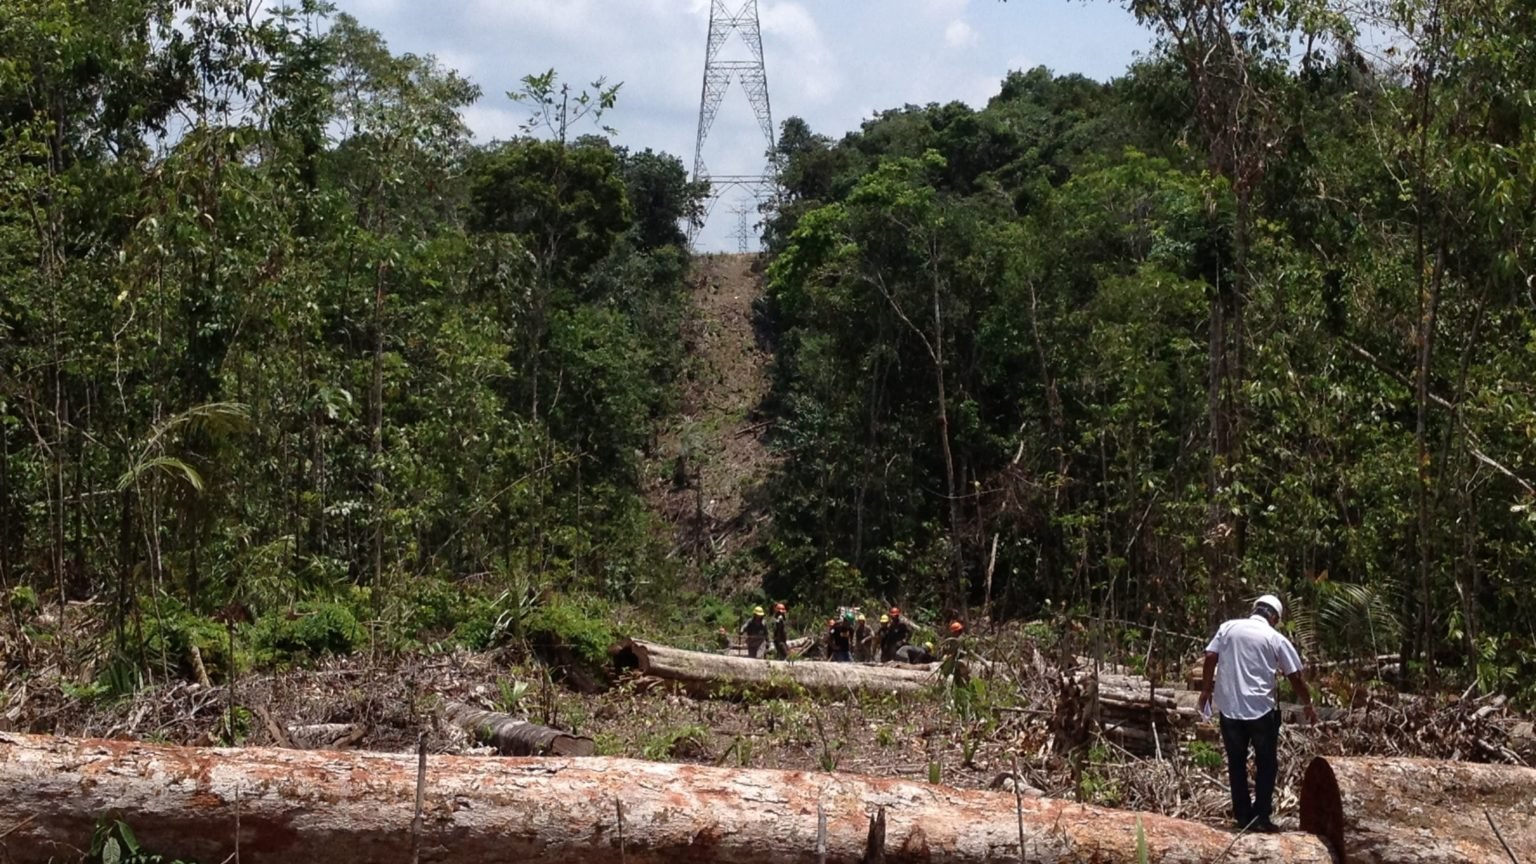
<point x="796" y="647"/>
<point x="708" y="673"/>
<point x="512" y="736"/>
<point x="326" y="736"/>
<point x="299" y="806"/>
<point x="1420" y="811"/>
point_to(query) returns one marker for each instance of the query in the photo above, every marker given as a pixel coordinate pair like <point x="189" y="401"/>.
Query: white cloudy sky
<point x="833" y="62"/>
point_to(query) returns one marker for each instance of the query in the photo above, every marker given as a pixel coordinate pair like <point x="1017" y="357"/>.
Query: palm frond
<point x="169" y="464"/>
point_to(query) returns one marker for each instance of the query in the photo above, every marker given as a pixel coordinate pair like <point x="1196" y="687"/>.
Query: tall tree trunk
<point x="955" y="593"/>
<point x="376" y="429"/>
<point x="1216" y="527"/>
<point x="1417" y="636"/>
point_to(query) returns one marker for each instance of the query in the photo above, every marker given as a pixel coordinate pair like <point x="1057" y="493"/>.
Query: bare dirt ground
<point x="711" y="459"/>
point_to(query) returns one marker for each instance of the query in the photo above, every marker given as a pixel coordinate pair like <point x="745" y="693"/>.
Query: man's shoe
<point x="1263" y="826"/>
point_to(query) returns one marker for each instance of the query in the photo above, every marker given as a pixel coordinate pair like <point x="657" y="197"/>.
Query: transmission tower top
<point x="718" y="74"/>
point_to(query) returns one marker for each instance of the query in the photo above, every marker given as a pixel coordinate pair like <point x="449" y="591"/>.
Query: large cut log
<point x="512" y="736"/>
<point x="1420" y="811"/>
<point x="302" y="806"/>
<point x="705" y="673"/>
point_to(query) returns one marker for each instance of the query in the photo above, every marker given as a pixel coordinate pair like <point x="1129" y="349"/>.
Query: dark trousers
<point x="782" y="648"/>
<point x="1263" y="735"/>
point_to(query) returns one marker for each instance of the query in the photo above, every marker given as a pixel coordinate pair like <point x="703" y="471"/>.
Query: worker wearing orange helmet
<point x="952" y="655"/>
<point x="897" y="633"/>
<point x="780" y="631"/>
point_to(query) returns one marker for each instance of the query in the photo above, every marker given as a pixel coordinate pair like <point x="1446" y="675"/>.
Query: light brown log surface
<point x="1420" y="811"/>
<point x="298" y="807"/>
<point x="703" y="671"/>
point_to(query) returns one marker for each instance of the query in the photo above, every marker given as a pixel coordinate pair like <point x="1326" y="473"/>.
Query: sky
<point x="832" y="62"/>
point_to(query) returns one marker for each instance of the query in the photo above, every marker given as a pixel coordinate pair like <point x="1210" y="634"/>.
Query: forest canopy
<point x="276" y="332"/>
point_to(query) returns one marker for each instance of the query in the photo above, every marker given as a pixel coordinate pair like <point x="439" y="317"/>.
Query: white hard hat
<point x="1272" y="602"/>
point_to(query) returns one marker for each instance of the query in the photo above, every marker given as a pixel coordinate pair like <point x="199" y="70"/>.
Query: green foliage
<point x="113" y="842"/>
<point x="169" y="633"/>
<point x="1205" y="755"/>
<point x="299" y="335"/>
<point x="23" y="600"/>
<point x="510" y="695"/>
<point x="308" y="631"/>
<point x="688" y="742"/>
<point x="583" y="625"/>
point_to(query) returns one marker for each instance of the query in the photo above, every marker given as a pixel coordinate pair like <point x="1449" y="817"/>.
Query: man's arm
<point x="1208" y="684"/>
<point x="1304" y="693"/>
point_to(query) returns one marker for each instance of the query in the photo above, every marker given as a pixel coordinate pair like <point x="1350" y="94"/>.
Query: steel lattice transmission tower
<point x="718" y="74"/>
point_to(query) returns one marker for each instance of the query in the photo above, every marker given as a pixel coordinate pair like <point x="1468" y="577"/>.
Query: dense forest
<point x="279" y="341"/>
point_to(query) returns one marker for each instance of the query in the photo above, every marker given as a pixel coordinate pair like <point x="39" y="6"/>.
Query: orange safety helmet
<point x="956" y="628"/>
<point x="895" y="613"/>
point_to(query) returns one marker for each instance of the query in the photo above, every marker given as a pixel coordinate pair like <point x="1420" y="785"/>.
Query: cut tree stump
<point x="704" y="674"/>
<point x="1420" y="811"/>
<point x="313" y="807"/>
<point x="512" y="736"/>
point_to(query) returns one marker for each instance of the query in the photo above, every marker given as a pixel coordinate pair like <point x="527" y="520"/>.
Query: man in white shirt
<point x="1240" y="667"/>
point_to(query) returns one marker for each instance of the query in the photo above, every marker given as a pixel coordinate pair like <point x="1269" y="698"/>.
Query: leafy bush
<point x="23" y="599"/>
<point x="170" y="631"/>
<point x="584" y="626"/>
<point x="309" y="631"/>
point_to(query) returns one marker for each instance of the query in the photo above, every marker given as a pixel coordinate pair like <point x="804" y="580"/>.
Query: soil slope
<point x="713" y="456"/>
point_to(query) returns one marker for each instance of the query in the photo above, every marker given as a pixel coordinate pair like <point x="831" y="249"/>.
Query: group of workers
<point x="757" y="631"/>
<point x="848" y="637"/>
<point x="1241" y="663"/>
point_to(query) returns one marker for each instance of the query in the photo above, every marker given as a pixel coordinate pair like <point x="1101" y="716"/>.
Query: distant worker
<point x="756" y="631"/>
<point x="916" y="654"/>
<point x="863" y="638"/>
<point x="1240" y="667"/>
<point x="897" y="633"/>
<point x="952" y="654"/>
<point x="780" y="631"/>
<point x="840" y="639"/>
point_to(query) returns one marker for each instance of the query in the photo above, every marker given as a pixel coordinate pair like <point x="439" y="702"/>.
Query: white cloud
<point x="960" y="34"/>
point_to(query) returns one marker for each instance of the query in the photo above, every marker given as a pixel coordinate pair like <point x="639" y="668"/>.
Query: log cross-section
<point x="314" y="807"/>
<point x="1420" y="811"/>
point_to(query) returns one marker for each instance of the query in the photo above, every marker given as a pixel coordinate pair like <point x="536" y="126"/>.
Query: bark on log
<point x="326" y="736"/>
<point x="300" y="806"/>
<point x="514" y="737"/>
<point x="1419" y="811"/>
<point x="706" y="673"/>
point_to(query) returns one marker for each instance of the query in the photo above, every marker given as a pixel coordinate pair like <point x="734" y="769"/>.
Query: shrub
<point x="584" y="627"/>
<point x="23" y="600"/>
<point x="169" y="633"/>
<point x="309" y="631"/>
